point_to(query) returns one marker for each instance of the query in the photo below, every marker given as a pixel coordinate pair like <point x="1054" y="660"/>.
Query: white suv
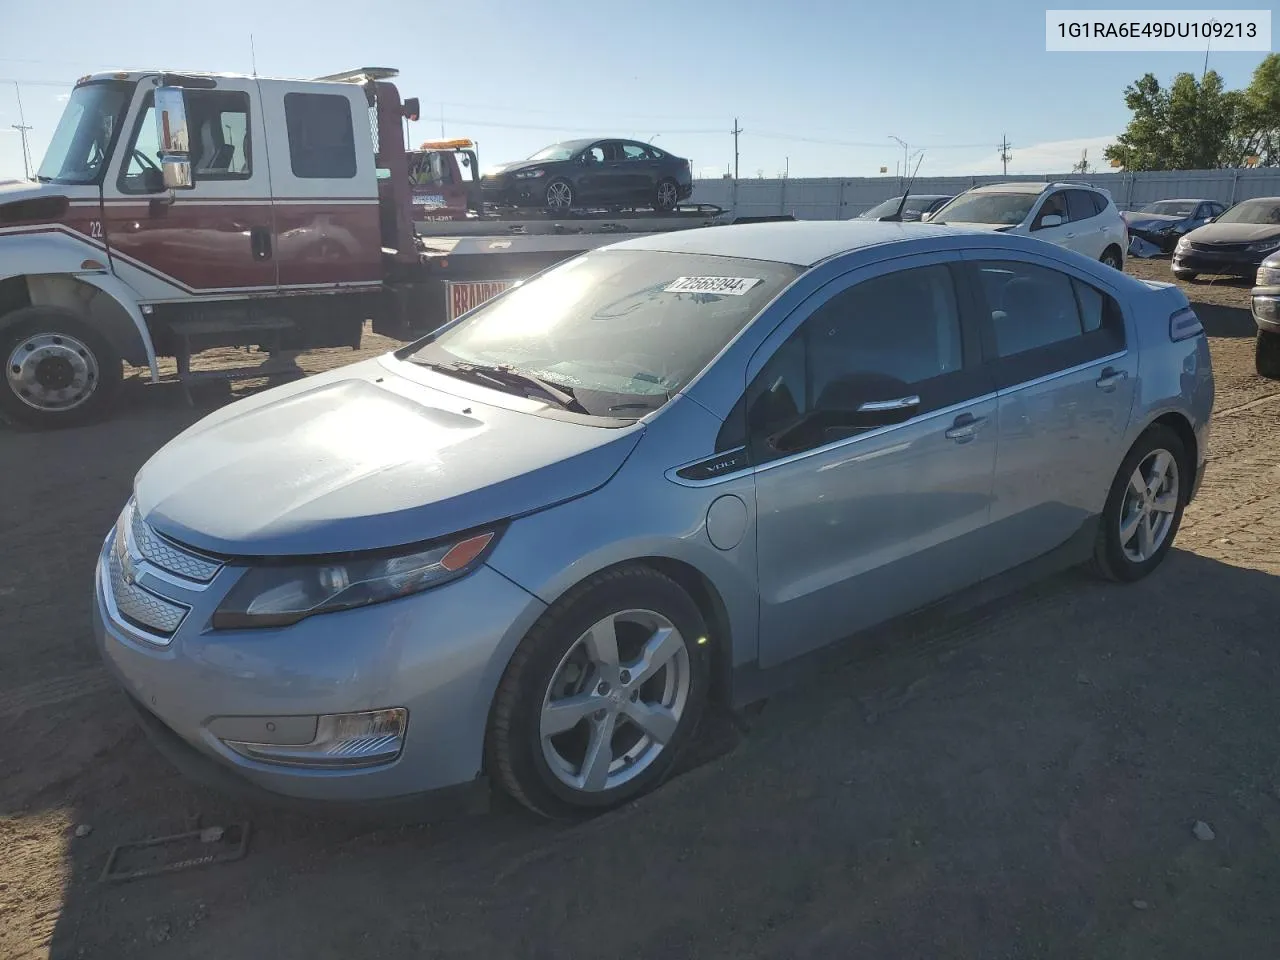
<point x="1072" y="215"/>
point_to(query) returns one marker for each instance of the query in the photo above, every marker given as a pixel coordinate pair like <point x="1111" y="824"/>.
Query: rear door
<point x="1058" y="349"/>
<point x="1086" y="230"/>
<point x="640" y="170"/>
<point x="211" y="241"/>
<point x="328" y="231"/>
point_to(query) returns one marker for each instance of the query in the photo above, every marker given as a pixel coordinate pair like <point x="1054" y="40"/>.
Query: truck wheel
<point x="58" y="370"/>
<point x="559" y="195"/>
<point x="666" y="196"/>
<point x="1266" y="355"/>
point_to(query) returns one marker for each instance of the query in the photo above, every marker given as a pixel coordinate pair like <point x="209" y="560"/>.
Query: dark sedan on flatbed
<point x="591" y="173"/>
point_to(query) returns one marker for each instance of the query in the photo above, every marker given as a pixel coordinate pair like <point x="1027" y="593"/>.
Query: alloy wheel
<point x="1150" y="503"/>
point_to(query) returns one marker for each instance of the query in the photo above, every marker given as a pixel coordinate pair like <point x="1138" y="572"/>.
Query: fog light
<point x="342" y="740"/>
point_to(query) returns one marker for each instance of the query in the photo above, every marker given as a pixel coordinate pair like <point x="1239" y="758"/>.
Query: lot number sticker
<point x="729" y="286"/>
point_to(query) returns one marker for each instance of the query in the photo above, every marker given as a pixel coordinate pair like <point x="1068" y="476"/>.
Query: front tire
<point x="1144" y="507"/>
<point x="1187" y="275"/>
<point x="58" y="370"/>
<point x="1266" y="354"/>
<point x="1112" y="257"/>
<point x="559" y="196"/>
<point x="601" y="696"/>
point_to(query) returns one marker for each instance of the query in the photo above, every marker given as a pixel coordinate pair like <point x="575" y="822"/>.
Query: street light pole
<point x="903" y="144"/>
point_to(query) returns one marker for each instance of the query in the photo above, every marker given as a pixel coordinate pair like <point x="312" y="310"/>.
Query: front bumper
<point x="1231" y="264"/>
<point x="1165" y="241"/>
<point x="514" y="193"/>
<point x="1265" y="303"/>
<point x="439" y="654"/>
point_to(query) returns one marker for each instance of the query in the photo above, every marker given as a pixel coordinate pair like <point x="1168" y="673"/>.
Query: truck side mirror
<point x="175" y="144"/>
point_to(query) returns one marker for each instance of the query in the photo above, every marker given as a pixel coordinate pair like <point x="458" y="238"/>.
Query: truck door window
<point x="220" y="150"/>
<point x="321" y="141"/>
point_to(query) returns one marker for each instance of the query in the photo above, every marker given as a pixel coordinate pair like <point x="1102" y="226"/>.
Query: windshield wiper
<point x="505" y="377"/>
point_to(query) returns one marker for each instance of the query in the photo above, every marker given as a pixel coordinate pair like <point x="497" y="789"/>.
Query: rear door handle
<point x="1110" y="377"/>
<point x="965" y="427"/>
<point x="260" y="243"/>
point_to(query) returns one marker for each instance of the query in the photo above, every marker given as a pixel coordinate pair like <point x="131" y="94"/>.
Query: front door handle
<point x="965" y="427"/>
<point x="1110" y="377"/>
<point x="260" y="243"/>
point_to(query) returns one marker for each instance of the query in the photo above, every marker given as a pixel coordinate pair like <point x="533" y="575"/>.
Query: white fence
<point x="838" y="198"/>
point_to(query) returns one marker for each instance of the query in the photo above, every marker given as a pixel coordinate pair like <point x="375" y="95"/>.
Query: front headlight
<point x="276" y="596"/>
<point x="530" y="174"/>
<point x="1262" y="246"/>
<point x="1184" y="242"/>
<point x="1268" y="276"/>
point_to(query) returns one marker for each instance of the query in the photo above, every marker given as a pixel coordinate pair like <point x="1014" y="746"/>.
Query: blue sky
<point x="819" y="87"/>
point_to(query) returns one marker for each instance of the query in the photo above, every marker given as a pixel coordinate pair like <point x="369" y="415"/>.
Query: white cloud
<point x="1053" y="156"/>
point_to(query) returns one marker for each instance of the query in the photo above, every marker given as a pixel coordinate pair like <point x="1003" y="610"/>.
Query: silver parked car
<point x="528" y="548"/>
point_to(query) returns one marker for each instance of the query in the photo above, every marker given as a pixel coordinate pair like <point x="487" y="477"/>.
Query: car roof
<point x="1031" y="186"/>
<point x="803" y="243"/>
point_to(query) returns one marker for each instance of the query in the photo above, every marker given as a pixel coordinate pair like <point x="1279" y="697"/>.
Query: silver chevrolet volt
<point x="527" y="549"/>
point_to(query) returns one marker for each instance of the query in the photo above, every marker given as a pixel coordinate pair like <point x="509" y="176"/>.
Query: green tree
<point x="1256" y="131"/>
<point x="1186" y="126"/>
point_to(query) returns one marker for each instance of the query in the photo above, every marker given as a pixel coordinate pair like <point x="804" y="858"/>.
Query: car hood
<point x="1234" y="232"/>
<point x="362" y="458"/>
<point x="513" y="166"/>
<point x="1150" y="221"/>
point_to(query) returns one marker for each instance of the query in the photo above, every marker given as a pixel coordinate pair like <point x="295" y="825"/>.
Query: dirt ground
<point x="1022" y="781"/>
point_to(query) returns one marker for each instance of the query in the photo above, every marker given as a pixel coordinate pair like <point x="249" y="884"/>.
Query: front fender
<point x="54" y="254"/>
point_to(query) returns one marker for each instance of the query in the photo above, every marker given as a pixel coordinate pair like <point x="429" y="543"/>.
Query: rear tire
<point x="666" y="196"/>
<point x="1266" y="354"/>
<point x="1144" y="507"/>
<point x="540" y="754"/>
<point x="59" y="371"/>
<point x="1187" y="275"/>
<point x="1112" y="258"/>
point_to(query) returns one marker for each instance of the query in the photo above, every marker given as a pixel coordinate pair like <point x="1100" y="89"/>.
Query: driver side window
<point x="1054" y="205"/>
<point x="220" y="147"/>
<point x="893" y="337"/>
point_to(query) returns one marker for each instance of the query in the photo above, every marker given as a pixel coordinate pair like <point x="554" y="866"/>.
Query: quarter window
<point x="321" y="140"/>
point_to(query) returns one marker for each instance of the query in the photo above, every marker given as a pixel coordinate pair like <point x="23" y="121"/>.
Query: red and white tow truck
<point x="178" y="212"/>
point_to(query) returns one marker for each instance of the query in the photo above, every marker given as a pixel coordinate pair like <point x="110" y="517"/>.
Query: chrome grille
<point x="167" y="555"/>
<point x="140" y="607"/>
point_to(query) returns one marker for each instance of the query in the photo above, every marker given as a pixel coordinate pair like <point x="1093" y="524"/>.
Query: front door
<point x="858" y="525"/>
<point x="1063" y="234"/>
<point x="1066" y="379"/>
<point x="212" y="241"/>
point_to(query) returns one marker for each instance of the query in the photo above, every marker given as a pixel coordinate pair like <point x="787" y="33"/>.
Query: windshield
<point x="621" y="331"/>
<point x="557" y="151"/>
<point x="1003" y="208"/>
<point x="914" y="205"/>
<point x="1171" y="208"/>
<point x="82" y="142"/>
<point x="1253" y="211"/>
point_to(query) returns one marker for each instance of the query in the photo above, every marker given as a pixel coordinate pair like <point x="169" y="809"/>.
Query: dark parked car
<point x="1162" y="223"/>
<point x="585" y="173"/>
<point x="917" y="206"/>
<point x="1234" y="245"/>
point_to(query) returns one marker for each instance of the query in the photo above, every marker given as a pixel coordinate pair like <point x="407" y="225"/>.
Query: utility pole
<point x="735" y="131"/>
<point x="1005" y="156"/>
<point x="22" y="127"/>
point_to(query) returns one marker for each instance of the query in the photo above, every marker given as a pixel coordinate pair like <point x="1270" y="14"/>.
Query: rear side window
<point x="321" y="141"/>
<point x="1080" y="204"/>
<point x="1043" y="321"/>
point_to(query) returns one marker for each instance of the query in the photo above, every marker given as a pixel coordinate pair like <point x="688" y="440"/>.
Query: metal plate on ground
<point x="178" y="851"/>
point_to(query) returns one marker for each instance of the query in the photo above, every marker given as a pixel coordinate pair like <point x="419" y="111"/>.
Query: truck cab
<point x="444" y="180"/>
<point x="174" y="212"/>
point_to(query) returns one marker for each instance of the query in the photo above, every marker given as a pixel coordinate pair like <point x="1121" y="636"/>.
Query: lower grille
<point x="1218" y="247"/>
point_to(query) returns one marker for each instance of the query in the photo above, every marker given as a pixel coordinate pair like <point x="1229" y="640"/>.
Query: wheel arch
<point x="51" y="270"/>
<point x="1180" y="424"/>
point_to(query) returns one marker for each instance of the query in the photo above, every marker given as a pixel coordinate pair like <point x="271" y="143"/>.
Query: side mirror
<point x="175" y="144"/>
<point x="1050" y="220"/>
